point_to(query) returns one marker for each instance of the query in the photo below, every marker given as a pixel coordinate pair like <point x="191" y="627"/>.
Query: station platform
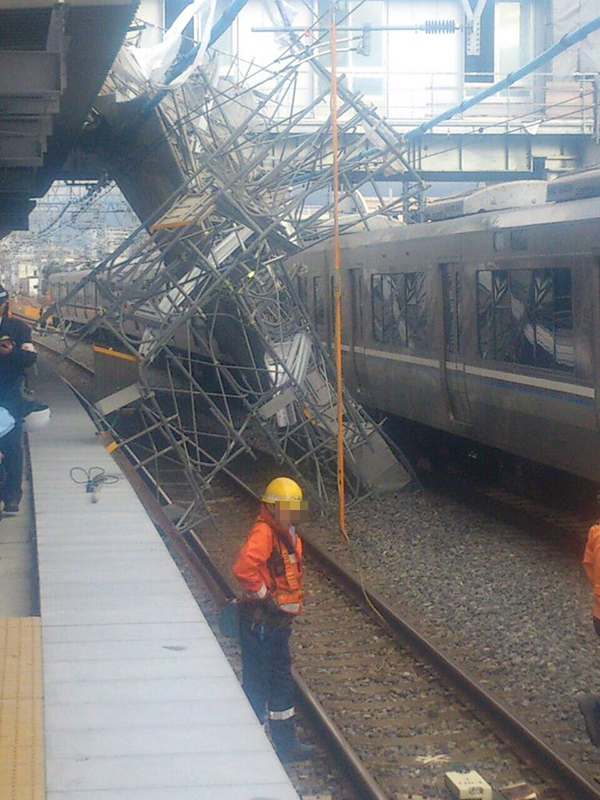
<point x="118" y="690"/>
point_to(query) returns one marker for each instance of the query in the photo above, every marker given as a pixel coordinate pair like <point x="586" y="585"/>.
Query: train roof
<point x="571" y="198"/>
<point x="516" y="194"/>
<point x="69" y="275"/>
<point x="546" y="214"/>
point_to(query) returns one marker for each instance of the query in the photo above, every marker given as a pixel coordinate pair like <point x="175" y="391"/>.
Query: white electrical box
<point x="468" y="786"/>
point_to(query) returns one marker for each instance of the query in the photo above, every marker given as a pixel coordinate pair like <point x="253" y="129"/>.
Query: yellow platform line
<point x="21" y="709"/>
<point x="115" y="353"/>
<point x="30" y="312"/>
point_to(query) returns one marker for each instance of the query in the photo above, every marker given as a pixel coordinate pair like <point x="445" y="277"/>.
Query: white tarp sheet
<point x="149" y="65"/>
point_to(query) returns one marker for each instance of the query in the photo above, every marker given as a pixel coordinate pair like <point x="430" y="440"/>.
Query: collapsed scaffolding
<point x="229" y="363"/>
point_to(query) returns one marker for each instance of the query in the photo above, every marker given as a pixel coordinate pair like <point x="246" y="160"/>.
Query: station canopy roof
<point x="53" y="60"/>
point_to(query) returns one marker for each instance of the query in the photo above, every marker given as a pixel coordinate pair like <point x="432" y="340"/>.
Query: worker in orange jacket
<point x="270" y="569"/>
<point x="590" y="706"/>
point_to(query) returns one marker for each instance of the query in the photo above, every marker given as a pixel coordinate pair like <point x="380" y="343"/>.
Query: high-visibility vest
<point x="286" y="563"/>
<point x="269" y="563"/>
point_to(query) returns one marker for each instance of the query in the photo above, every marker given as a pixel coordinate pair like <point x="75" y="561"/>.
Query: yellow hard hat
<point x="283" y="490"/>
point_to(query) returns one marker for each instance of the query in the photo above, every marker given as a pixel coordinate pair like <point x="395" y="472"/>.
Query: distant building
<point x="542" y="126"/>
<point x="28" y="278"/>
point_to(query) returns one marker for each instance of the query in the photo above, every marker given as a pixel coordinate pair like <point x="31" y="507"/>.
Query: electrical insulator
<point x="365" y="48"/>
<point x="440" y="26"/>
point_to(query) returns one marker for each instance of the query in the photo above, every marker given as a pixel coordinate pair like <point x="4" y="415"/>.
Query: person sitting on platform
<point x="16" y="354"/>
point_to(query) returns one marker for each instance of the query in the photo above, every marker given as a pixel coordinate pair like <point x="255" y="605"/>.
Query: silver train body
<point x="486" y="326"/>
<point x="84" y="305"/>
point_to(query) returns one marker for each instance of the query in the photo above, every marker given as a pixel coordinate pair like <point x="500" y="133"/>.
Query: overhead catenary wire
<point x="226" y="306"/>
<point x="558" y="47"/>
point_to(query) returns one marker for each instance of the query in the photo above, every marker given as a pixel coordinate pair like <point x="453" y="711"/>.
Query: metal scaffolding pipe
<point x="558" y="47"/>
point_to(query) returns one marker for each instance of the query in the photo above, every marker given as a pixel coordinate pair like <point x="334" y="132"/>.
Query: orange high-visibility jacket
<point x="591" y="563"/>
<point x="264" y="566"/>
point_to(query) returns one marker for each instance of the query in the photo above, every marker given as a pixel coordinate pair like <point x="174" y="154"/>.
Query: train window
<point x="526" y="317"/>
<point x="459" y="316"/>
<point x="398" y="306"/>
<point x="499" y="241"/>
<point x="301" y="286"/>
<point x="452" y="311"/>
<point x="518" y="239"/>
<point x="414" y="286"/>
<point x="357" y="301"/>
<point x="318" y="301"/>
<point x="384" y="316"/>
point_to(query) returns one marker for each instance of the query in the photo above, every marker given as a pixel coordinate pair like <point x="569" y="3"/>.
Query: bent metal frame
<point x="229" y="363"/>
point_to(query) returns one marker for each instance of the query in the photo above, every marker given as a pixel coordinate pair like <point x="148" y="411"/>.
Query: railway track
<point x="565" y="527"/>
<point x="52" y="343"/>
<point x="408" y="711"/>
<point x="572" y="528"/>
<point x="56" y="351"/>
<point x="395" y="710"/>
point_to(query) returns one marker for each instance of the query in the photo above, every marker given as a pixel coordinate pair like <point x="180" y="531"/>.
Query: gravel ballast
<point x="511" y="606"/>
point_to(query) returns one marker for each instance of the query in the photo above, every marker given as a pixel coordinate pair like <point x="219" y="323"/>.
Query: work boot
<point x="590" y="708"/>
<point x="297" y="752"/>
<point x="287" y="744"/>
<point x="11" y="507"/>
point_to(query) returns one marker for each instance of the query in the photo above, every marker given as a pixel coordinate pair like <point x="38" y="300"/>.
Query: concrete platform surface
<point x="140" y="701"/>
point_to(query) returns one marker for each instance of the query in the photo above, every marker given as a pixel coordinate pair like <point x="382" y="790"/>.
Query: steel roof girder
<point x="28" y="127"/>
<point x="29" y="107"/>
<point x="29" y="73"/>
<point x="16" y="180"/>
<point x="21" y="152"/>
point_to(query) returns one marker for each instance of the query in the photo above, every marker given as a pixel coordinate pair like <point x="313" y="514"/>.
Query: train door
<point x="452" y="363"/>
<point x="356" y="338"/>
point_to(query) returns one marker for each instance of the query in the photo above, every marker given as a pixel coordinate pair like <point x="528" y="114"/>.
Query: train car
<point x="83" y="306"/>
<point x="485" y="325"/>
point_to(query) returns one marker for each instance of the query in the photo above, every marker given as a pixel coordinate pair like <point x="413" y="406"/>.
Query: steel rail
<point x="575" y="784"/>
<point x="526" y="740"/>
<point x="190" y="547"/>
<point x="343" y="751"/>
<point x="70" y="359"/>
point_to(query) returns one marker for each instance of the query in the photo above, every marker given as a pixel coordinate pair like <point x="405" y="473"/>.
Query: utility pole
<point x="337" y="282"/>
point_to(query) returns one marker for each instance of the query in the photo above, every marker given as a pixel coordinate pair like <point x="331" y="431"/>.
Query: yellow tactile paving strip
<point x="21" y="709"/>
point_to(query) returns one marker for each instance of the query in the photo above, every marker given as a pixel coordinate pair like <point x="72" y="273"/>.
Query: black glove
<point x="270" y="603"/>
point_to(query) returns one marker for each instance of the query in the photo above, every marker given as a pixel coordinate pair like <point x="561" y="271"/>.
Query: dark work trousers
<point x="597" y="625"/>
<point x="267" y="666"/>
<point x="12" y="450"/>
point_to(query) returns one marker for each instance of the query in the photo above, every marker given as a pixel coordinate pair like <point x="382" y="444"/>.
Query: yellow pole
<point x="337" y="280"/>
